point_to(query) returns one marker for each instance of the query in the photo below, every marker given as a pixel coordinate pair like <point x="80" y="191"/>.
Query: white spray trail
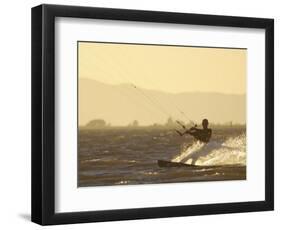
<point x="229" y="152"/>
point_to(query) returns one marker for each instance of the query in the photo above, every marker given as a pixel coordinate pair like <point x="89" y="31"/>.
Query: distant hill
<point x="121" y="104"/>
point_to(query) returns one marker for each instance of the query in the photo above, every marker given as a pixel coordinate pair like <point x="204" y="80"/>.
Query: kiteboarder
<point x="203" y="135"/>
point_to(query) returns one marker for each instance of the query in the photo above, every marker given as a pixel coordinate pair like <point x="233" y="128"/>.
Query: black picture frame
<point x="43" y="114"/>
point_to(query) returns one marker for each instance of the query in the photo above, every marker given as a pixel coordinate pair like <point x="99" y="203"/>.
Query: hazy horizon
<point x="121" y="104"/>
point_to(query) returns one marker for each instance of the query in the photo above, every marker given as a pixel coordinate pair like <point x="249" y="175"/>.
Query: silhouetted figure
<point x="203" y="135"/>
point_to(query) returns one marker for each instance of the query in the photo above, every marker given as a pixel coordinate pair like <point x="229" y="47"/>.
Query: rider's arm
<point x="193" y="131"/>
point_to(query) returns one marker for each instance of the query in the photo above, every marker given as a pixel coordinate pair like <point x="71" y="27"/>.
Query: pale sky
<point x="171" y="69"/>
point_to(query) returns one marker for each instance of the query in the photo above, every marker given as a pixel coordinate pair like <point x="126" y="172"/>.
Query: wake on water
<point x="229" y="152"/>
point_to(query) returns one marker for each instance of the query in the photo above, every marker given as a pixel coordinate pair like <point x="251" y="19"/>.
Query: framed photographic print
<point x="143" y="114"/>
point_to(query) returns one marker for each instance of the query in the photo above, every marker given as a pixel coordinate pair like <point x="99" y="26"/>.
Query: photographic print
<point x="160" y="113"/>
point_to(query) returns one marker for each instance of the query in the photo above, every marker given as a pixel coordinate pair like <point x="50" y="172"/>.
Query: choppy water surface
<point x="129" y="156"/>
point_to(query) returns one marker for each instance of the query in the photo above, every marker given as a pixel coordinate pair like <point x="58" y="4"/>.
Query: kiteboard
<point x="165" y="163"/>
